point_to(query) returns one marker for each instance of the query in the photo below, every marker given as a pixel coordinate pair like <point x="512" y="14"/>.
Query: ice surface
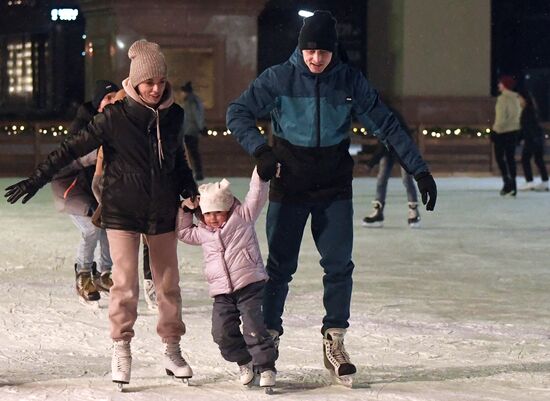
<point x="457" y="310"/>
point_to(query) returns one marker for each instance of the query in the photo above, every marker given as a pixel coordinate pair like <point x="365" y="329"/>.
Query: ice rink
<point x="456" y="310"/>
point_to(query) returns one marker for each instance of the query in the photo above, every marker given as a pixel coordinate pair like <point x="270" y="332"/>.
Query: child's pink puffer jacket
<point x="232" y="258"/>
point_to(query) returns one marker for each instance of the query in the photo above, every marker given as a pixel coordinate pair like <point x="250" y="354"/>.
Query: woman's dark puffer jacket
<point x="138" y="195"/>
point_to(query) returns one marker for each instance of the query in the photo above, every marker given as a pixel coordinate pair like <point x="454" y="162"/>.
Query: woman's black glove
<point x="266" y="162"/>
<point x="27" y="188"/>
<point x="191" y="191"/>
<point x="427" y="188"/>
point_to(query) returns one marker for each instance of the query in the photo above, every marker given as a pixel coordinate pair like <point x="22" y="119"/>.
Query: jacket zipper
<point x="231" y="286"/>
<point x="318" y="104"/>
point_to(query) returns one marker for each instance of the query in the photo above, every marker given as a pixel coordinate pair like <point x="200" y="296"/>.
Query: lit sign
<point x="64" y="14"/>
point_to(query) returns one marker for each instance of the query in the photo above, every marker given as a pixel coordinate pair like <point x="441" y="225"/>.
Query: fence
<point x="447" y="149"/>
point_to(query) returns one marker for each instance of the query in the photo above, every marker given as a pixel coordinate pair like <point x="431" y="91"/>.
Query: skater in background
<point x="311" y="98"/>
<point x="532" y="135"/>
<point x="236" y="276"/>
<point x="72" y="190"/>
<point x="145" y="175"/>
<point x="505" y="133"/>
<point x="387" y="159"/>
<point x="97" y="186"/>
<point x="193" y="126"/>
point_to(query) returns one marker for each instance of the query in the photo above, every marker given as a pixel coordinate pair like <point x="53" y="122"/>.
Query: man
<point x="193" y="126"/>
<point x="506" y="131"/>
<point x="311" y="98"/>
<point x="72" y="190"/>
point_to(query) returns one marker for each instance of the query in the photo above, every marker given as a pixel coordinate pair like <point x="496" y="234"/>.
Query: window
<point x="19" y="67"/>
<point x="13" y="3"/>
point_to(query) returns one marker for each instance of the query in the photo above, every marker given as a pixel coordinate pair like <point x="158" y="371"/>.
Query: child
<point x="235" y="272"/>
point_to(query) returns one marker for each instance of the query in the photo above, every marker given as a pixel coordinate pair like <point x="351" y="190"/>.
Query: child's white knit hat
<point x="216" y="197"/>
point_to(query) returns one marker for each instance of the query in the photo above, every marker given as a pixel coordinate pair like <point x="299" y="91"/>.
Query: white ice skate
<point x="541" y="187"/>
<point x="267" y="380"/>
<point x="336" y="358"/>
<point x="246" y="374"/>
<point x="528" y="186"/>
<point x="150" y="295"/>
<point x="121" y="363"/>
<point x="175" y="364"/>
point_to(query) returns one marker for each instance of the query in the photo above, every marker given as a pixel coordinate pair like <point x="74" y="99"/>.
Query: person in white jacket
<point x="235" y="272"/>
<point x="506" y="132"/>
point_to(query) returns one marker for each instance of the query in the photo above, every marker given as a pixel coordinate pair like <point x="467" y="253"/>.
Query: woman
<point x="97" y="187"/>
<point x="145" y="174"/>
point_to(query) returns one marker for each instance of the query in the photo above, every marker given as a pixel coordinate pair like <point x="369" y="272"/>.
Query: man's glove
<point x="26" y="188"/>
<point x="427" y="188"/>
<point x="266" y="162"/>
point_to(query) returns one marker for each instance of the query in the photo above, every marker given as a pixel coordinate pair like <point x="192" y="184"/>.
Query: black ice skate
<point x="87" y="292"/>
<point x="414" y="215"/>
<point x="103" y="280"/>
<point x="376" y="218"/>
<point x="509" y="188"/>
<point x="336" y="358"/>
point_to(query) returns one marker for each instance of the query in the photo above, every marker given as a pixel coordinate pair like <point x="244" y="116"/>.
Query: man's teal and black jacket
<point x="311" y="117"/>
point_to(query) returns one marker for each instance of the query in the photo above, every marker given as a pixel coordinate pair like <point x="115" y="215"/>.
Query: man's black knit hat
<point x="318" y="32"/>
<point x="101" y="89"/>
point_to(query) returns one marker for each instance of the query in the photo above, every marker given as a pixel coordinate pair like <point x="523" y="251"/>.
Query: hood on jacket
<point x="165" y="102"/>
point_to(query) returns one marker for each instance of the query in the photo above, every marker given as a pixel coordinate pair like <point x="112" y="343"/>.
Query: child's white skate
<point x="121" y="363"/>
<point x="175" y="365"/>
<point x="267" y="380"/>
<point x="246" y="376"/>
<point x="336" y="358"/>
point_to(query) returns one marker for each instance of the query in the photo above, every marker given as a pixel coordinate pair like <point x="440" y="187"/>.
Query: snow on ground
<point x="458" y="310"/>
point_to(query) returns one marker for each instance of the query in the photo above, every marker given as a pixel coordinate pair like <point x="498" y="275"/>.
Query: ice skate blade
<point x="268" y="390"/>
<point x="372" y="225"/>
<point x="346" y="381"/>
<point x="89" y="304"/>
<point x="414" y="225"/>
<point x="184" y="379"/>
<point x="120" y="385"/>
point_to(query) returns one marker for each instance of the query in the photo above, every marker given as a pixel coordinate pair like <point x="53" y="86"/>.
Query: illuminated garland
<point x="432" y="132"/>
<point x="22" y="129"/>
<point x="438" y="132"/>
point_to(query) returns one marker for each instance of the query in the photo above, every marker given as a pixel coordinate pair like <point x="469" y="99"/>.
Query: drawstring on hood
<point x="166" y="101"/>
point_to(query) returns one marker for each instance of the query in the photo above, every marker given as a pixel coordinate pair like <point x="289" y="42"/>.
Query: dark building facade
<point x="521" y="43"/>
<point x="279" y="25"/>
<point x="41" y="61"/>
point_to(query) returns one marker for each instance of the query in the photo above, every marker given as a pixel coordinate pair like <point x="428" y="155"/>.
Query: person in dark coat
<point x="72" y="190"/>
<point x="193" y="126"/>
<point x="532" y="135"/>
<point x="386" y="160"/>
<point x="146" y="173"/>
